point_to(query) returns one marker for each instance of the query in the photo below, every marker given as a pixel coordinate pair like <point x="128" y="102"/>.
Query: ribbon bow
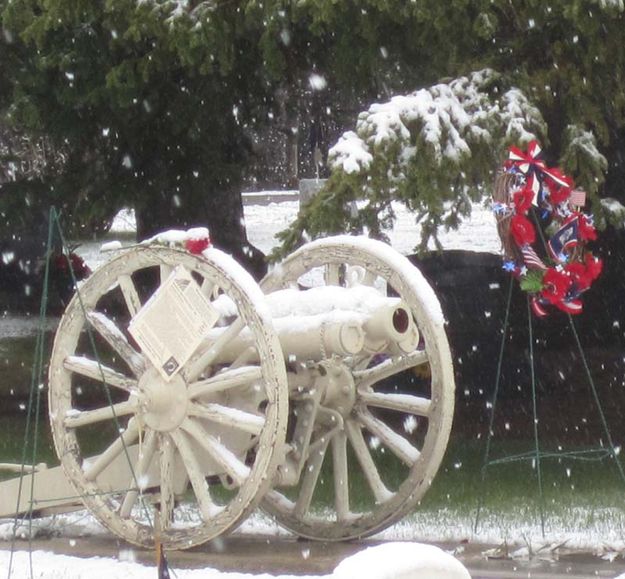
<point x="525" y="162"/>
<point x="530" y="163"/>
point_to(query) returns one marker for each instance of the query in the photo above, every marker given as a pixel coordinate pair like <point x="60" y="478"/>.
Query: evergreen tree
<point x="569" y="58"/>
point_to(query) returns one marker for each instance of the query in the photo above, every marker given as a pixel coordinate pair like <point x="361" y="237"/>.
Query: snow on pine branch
<point x="175" y="9"/>
<point x="584" y="144"/>
<point x="519" y="117"/>
<point x="350" y="153"/>
<point x="446" y="120"/>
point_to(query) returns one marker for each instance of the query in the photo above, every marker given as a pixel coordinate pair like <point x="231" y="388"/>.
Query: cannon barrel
<point x="326" y="321"/>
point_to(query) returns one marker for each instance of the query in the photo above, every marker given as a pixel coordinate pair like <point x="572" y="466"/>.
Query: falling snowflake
<point x="410" y="423"/>
<point x="317" y="82"/>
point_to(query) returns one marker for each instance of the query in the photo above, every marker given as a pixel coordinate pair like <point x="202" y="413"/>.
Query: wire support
<point x="491" y="420"/>
<point x="537" y="455"/>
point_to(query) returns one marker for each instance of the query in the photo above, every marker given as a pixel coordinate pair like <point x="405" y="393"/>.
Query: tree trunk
<point x="226" y="224"/>
<point x="221" y="211"/>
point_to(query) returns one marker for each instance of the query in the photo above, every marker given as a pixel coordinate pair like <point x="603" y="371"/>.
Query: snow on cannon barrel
<point x="183" y="395"/>
<point x="328" y="321"/>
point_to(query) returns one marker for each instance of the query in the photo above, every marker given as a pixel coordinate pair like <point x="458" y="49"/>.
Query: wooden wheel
<point x="377" y="445"/>
<point x="181" y="458"/>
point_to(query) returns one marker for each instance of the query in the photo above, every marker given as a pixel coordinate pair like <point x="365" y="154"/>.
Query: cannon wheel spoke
<point x="166" y="450"/>
<point x="341" y="478"/>
<point x="93" y="468"/>
<point x="198" y="482"/>
<point x="131" y="296"/>
<point x="400" y="447"/>
<point x="367" y="464"/>
<point x="177" y="459"/>
<point x="227" y="460"/>
<point x="388" y="447"/>
<point x="138" y="481"/>
<point x="82" y="418"/>
<point x="231" y="378"/>
<point x="165" y="271"/>
<point x="97" y="371"/>
<point x="389" y="367"/>
<point x="308" y="482"/>
<point x="109" y="330"/>
<point x="408" y="403"/>
<point x="211" y="350"/>
<point x="238" y="419"/>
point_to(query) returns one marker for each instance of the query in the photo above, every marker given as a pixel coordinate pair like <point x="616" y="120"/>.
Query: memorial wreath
<point x="528" y="197"/>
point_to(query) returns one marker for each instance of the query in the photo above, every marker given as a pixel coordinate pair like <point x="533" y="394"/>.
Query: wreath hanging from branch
<point x="527" y="188"/>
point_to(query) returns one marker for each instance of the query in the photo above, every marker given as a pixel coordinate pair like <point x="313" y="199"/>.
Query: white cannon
<point x="182" y="394"/>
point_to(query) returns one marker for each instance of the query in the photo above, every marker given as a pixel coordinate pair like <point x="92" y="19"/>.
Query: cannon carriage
<point x="324" y="394"/>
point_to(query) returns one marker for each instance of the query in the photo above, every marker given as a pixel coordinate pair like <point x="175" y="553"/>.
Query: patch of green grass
<point x="16" y="445"/>
<point x="566" y="482"/>
<point x="16" y="362"/>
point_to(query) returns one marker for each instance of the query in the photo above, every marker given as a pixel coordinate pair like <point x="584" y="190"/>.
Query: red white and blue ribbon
<point x="530" y="162"/>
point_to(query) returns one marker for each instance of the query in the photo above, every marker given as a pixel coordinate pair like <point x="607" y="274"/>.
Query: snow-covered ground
<point x="477" y="233"/>
<point x="263" y="222"/>
<point x="404" y="549"/>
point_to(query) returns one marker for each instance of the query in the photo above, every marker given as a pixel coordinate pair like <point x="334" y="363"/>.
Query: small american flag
<point x="565" y="238"/>
<point x="578" y="198"/>
<point x="531" y="259"/>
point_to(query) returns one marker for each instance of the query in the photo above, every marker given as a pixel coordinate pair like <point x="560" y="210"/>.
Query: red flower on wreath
<point x="555" y="285"/>
<point x="584" y="274"/>
<point x="579" y="274"/>
<point x="558" y="193"/>
<point x="79" y="267"/>
<point x="594" y="266"/>
<point x="523" y="200"/>
<point x="522" y="230"/>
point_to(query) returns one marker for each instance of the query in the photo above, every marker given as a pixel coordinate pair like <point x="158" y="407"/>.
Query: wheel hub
<point x="339" y="388"/>
<point x="164" y="404"/>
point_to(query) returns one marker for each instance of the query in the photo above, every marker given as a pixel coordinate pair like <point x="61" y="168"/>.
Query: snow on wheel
<point x="180" y="450"/>
<point x="368" y="432"/>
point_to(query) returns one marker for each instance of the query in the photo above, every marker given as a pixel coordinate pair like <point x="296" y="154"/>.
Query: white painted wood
<point x="131" y="297"/>
<point x="98" y="371"/>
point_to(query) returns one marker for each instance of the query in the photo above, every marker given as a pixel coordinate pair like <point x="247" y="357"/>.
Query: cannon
<point x="183" y="395"/>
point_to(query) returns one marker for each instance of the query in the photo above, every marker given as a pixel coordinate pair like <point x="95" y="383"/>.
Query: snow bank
<point x="388" y="561"/>
<point x="401" y="561"/>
